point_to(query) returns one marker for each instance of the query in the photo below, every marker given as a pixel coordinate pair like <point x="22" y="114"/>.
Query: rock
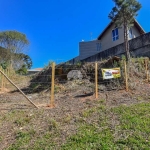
<point x="74" y="74"/>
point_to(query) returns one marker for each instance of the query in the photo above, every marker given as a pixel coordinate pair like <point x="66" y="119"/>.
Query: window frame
<point x="130" y="34"/>
<point x="115" y="37"/>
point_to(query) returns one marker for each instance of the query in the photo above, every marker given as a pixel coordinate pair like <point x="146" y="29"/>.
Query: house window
<point x="115" y="34"/>
<point x="98" y="46"/>
<point x="130" y="33"/>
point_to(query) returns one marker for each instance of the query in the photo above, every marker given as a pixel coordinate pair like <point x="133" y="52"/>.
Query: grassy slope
<point x="124" y="127"/>
<point x="129" y="130"/>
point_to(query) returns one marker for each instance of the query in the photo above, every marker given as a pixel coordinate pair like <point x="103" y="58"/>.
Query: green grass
<point x="1" y="138"/>
<point x="97" y="129"/>
<point x="133" y="131"/>
<point x="93" y="135"/>
<point x="89" y="137"/>
<point x="134" y="128"/>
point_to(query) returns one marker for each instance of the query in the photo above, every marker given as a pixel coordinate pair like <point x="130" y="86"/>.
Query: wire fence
<point x="86" y="81"/>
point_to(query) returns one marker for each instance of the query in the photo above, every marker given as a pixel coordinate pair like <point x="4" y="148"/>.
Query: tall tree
<point x="4" y="55"/>
<point x="123" y="15"/>
<point x="14" y="42"/>
<point x="23" y="64"/>
<point x="24" y="60"/>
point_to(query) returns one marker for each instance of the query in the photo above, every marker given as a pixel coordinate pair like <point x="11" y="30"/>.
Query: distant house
<point x="110" y="37"/>
<point x="33" y="71"/>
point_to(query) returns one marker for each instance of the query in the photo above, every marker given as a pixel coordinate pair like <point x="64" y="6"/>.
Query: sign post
<point x="96" y="81"/>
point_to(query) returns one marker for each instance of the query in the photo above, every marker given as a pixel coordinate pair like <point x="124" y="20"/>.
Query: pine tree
<point x="123" y="15"/>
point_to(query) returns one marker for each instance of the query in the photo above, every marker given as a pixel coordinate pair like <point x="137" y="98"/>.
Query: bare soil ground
<point x="69" y="104"/>
<point x="73" y="97"/>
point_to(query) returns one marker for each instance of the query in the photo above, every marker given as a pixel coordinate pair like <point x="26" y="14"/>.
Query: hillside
<point x="116" y="120"/>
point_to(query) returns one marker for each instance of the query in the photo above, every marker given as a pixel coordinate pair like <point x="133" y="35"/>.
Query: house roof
<point x="36" y="69"/>
<point x="137" y="25"/>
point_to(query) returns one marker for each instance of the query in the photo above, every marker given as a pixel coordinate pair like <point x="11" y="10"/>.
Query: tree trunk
<point x="126" y="43"/>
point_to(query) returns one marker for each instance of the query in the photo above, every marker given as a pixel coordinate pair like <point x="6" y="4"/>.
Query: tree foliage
<point x="4" y="55"/>
<point x="13" y="41"/>
<point x="22" y="70"/>
<point x="123" y="15"/>
<point x="26" y="60"/>
<point x="12" y="46"/>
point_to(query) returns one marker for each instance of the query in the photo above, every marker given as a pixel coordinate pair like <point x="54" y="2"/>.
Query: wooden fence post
<point x="4" y="80"/>
<point x="126" y="75"/>
<point x="146" y="69"/>
<point x="52" y="85"/>
<point x="8" y="72"/>
<point x="96" y="81"/>
<point x="17" y="88"/>
<point x="1" y="80"/>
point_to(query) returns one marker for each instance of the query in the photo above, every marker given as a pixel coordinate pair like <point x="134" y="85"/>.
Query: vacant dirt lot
<point x="70" y="103"/>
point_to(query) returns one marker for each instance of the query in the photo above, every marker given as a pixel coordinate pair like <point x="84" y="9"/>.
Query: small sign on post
<point x="111" y="73"/>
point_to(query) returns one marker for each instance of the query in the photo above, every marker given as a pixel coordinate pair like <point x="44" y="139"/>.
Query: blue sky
<point x="55" y="27"/>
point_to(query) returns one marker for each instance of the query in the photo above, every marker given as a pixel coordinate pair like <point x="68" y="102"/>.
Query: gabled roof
<point x="137" y="25"/>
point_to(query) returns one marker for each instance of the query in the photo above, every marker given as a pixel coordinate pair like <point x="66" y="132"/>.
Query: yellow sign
<point x="111" y="73"/>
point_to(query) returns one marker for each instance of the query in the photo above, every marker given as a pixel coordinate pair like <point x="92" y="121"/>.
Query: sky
<point x="55" y="27"/>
